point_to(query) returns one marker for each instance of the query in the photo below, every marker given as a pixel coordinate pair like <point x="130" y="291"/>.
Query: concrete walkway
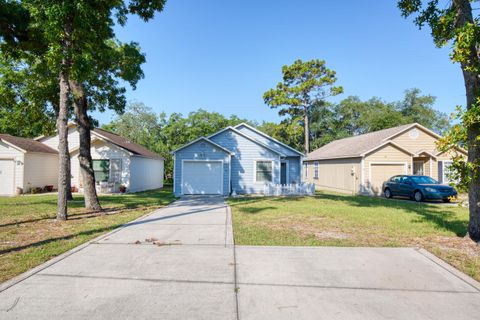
<point x="180" y="263"/>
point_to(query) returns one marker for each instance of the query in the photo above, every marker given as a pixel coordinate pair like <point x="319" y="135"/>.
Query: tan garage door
<point x="381" y="172"/>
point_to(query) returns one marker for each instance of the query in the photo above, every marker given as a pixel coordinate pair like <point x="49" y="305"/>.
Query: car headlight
<point x="431" y="190"/>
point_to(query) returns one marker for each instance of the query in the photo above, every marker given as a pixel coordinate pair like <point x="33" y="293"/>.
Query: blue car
<point x="419" y="188"/>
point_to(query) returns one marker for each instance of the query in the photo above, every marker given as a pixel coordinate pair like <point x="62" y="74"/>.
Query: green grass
<point x="30" y="234"/>
<point x="330" y="219"/>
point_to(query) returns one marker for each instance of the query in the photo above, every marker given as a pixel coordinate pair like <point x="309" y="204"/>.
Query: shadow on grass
<point x="437" y="214"/>
<point x="68" y="237"/>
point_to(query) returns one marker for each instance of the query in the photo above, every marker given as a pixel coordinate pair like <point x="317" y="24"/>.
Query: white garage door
<point x="202" y="177"/>
<point x="7" y="176"/>
<point x="382" y="172"/>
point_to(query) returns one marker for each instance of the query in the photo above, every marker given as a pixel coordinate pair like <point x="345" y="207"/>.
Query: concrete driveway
<point x="180" y="263"/>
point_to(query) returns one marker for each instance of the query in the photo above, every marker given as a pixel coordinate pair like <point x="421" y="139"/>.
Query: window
<point x="263" y="171"/>
<point x="315" y="170"/>
<point x="101" y="169"/>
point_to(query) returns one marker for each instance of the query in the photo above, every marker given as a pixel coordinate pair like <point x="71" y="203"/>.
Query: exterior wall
<point x="102" y="150"/>
<point x="336" y="174"/>
<point x="243" y="162"/>
<point x="145" y="174"/>
<point x="415" y="143"/>
<point x="73" y="139"/>
<point x="40" y="170"/>
<point x="386" y="154"/>
<point x="200" y="150"/>
<point x="269" y="142"/>
<point x="9" y="152"/>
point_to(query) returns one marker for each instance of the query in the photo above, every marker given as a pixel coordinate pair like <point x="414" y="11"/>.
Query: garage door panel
<point x="381" y="172"/>
<point x="7" y="177"/>
<point x="202" y="177"/>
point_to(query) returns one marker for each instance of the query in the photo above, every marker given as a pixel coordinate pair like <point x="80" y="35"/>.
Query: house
<point x="26" y="164"/>
<point x="361" y="164"/>
<point x="116" y="162"/>
<point x="238" y="159"/>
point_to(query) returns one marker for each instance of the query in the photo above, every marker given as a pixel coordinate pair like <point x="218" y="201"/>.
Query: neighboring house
<point x="26" y="164"/>
<point x="360" y="164"/>
<point x="238" y="159"/>
<point x="116" y="161"/>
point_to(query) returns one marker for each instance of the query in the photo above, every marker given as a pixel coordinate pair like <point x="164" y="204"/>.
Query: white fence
<point x="302" y="189"/>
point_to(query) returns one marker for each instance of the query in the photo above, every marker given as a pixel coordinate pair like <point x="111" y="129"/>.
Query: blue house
<point x="238" y="159"/>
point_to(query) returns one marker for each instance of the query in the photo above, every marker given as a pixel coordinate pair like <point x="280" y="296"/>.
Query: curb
<point x="27" y="274"/>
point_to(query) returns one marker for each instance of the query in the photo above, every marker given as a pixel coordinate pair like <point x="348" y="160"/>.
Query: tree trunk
<point x="63" y="153"/>
<point x="85" y="157"/>
<point x="306" y="131"/>
<point x="472" y="87"/>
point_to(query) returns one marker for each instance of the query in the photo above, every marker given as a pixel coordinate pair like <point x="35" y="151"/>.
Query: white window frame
<point x="315" y="170"/>
<point x="255" y="170"/>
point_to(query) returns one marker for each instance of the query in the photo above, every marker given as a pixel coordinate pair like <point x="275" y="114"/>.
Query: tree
<point x="304" y="84"/>
<point x="162" y="134"/>
<point x="455" y="24"/>
<point x="288" y="131"/>
<point x="419" y="108"/>
<point x="79" y="47"/>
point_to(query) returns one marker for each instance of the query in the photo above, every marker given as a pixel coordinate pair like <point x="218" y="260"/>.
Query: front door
<point x="418" y="168"/>
<point x="283" y="173"/>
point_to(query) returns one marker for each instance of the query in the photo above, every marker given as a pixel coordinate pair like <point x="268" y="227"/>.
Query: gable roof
<point x="268" y="137"/>
<point x="357" y="146"/>
<point x="247" y="137"/>
<point x="120" y="141"/>
<point x="27" y="145"/>
<point x="206" y="140"/>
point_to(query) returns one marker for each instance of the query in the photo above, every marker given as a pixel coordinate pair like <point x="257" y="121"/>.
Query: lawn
<point x="330" y="219"/>
<point x="30" y="234"/>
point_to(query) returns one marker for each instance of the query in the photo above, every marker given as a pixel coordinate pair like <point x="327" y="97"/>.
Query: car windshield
<point x="423" y="180"/>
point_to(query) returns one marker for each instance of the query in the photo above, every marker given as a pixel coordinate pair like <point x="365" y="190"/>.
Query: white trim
<point x="255" y="170"/>
<point x="268" y="137"/>
<point x="362" y="175"/>
<point x="436" y="135"/>
<point x="229" y="174"/>
<point x="14" y="146"/>
<point x="384" y="144"/>
<point x="206" y="140"/>
<point x="197" y="160"/>
<point x="430" y="164"/>
<point x="332" y="158"/>
<point x="247" y="137"/>
<point x="425" y="151"/>
<point x="444" y="177"/>
<point x="287" y="173"/>
<point x="383" y="162"/>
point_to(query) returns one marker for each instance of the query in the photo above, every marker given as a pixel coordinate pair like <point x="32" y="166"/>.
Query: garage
<point x="7" y="177"/>
<point x="381" y="172"/>
<point x="202" y="177"/>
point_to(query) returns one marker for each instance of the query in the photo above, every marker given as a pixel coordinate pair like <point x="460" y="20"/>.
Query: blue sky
<point x="223" y="55"/>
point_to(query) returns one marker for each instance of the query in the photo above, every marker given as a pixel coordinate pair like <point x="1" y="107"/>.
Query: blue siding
<point x="201" y="150"/>
<point x="243" y="162"/>
<point x="266" y="141"/>
<point x="294" y="170"/>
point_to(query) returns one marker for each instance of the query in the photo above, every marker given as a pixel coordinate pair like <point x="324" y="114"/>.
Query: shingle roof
<point x="355" y="146"/>
<point x="28" y="145"/>
<point x="133" y="147"/>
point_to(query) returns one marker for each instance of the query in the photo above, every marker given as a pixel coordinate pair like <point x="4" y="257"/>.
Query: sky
<point x="223" y="55"/>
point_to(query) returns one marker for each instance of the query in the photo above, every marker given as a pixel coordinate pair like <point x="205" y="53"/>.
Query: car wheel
<point x="446" y="200"/>
<point x="388" y="193"/>
<point x="418" y="196"/>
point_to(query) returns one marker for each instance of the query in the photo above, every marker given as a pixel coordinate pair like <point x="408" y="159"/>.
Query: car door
<point x="405" y="186"/>
<point x="393" y="184"/>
